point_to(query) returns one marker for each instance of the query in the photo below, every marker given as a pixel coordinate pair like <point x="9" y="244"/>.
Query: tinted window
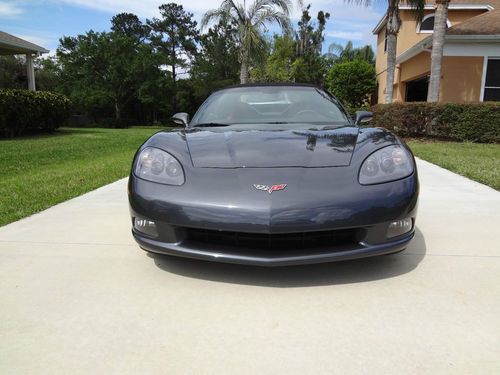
<point x="493" y="73"/>
<point x="270" y="104"/>
<point x="427" y="24"/>
<point x="492" y="81"/>
<point x="491" y="95"/>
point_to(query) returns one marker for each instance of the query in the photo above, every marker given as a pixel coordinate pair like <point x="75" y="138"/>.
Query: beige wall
<point x="461" y="79"/>
<point x="407" y="38"/>
<point x="408" y="35"/>
<point x="381" y="57"/>
<point x="416" y="67"/>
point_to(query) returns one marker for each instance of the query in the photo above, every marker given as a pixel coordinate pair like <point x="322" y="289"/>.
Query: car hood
<point x="223" y="148"/>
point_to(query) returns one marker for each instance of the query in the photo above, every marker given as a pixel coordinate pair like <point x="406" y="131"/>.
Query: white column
<point x="31" y="72"/>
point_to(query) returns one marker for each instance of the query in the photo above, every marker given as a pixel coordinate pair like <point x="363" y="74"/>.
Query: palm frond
<point x="269" y="16"/>
<point x="227" y="10"/>
<point x="365" y="3"/>
<point x="418" y="7"/>
<point x="258" y="6"/>
<point x="210" y="16"/>
<point x="335" y="49"/>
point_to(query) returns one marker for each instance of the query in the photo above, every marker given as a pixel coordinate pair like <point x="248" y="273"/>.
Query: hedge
<point x="23" y="110"/>
<point x="475" y="122"/>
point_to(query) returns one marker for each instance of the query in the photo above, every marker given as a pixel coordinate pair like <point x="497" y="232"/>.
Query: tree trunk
<point x="437" y="49"/>
<point x="174" y="97"/>
<point x="118" y="112"/>
<point x="174" y="77"/>
<point x="244" y="66"/>
<point x="392" y="29"/>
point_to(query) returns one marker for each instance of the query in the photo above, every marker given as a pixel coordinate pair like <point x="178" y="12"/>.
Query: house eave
<point x="453" y="6"/>
<point x="425" y="45"/>
<point x="10" y="45"/>
<point x="421" y="46"/>
<point x="472" y="38"/>
<point x="380" y="25"/>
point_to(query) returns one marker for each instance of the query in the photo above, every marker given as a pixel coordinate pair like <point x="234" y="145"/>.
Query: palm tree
<point x="391" y="35"/>
<point x="440" y="18"/>
<point x="251" y="22"/>
<point x="392" y="30"/>
<point x="341" y="53"/>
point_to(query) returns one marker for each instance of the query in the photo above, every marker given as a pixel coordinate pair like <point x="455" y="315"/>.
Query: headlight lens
<point x="387" y="164"/>
<point x="159" y="166"/>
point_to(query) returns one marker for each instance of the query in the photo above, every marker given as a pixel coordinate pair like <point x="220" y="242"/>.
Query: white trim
<point x="495" y="38"/>
<point x="471" y="48"/>
<point x="421" y="46"/>
<point x="418" y="31"/>
<point x="483" y="78"/>
<point x="380" y="24"/>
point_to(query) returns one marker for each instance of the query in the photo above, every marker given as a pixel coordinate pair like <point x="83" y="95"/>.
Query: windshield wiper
<point x="209" y="125"/>
<point x="277" y="122"/>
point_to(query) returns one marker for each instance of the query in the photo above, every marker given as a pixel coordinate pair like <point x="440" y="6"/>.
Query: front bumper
<point x="316" y="200"/>
<point x="272" y="258"/>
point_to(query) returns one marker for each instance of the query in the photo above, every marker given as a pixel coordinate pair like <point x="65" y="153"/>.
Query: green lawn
<point x="38" y="172"/>
<point x="480" y="162"/>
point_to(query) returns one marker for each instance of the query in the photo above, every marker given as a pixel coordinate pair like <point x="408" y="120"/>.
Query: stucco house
<point x="471" y="57"/>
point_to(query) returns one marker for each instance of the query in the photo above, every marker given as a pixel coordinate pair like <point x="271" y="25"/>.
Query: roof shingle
<point x="485" y="24"/>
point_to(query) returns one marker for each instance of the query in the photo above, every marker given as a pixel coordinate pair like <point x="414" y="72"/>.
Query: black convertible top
<point x="271" y="84"/>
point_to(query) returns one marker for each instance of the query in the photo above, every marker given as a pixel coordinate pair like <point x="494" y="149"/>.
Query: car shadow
<point x="354" y="271"/>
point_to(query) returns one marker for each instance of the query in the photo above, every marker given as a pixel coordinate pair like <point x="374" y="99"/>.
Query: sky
<point x="43" y="22"/>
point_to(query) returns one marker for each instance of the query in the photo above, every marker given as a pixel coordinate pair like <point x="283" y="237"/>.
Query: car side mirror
<point x="363" y="116"/>
<point x="181" y="118"/>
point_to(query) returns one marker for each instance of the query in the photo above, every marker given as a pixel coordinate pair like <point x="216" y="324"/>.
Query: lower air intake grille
<point x="286" y="241"/>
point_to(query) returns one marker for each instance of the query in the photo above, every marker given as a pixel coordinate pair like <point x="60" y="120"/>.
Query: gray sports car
<point x="273" y="175"/>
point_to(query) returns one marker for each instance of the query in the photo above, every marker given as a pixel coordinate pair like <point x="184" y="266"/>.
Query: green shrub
<point x="23" y="110"/>
<point x="352" y="82"/>
<point x="475" y="122"/>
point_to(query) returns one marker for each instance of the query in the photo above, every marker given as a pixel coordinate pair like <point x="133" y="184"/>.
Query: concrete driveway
<point x="77" y="296"/>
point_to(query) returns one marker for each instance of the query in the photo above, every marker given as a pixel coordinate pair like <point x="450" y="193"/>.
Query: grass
<point x="39" y="172"/>
<point x="479" y="162"/>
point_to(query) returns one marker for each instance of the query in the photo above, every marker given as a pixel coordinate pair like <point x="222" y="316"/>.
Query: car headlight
<point x="387" y="164"/>
<point x="156" y="165"/>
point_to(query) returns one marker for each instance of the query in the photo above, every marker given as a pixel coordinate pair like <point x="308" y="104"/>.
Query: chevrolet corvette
<point x="273" y="175"/>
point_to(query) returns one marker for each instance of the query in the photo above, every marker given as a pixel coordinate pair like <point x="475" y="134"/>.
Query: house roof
<point x="485" y="24"/>
<point x="12" y="45"/>
<point x="454" y="4"/>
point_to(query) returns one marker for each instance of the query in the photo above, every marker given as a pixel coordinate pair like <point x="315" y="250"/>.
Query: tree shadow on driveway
<point x="354" y="271"/>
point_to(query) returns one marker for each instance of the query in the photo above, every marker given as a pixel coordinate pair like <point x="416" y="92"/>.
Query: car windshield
<point x="270" y="105"/>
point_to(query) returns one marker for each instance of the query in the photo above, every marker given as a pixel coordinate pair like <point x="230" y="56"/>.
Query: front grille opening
<point x="285" y="241"/>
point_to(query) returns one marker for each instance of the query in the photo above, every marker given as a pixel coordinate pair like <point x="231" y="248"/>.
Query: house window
<point x="427" y="24"/>
<point x="385" y="40"/>
<point x="492" y="80"/>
